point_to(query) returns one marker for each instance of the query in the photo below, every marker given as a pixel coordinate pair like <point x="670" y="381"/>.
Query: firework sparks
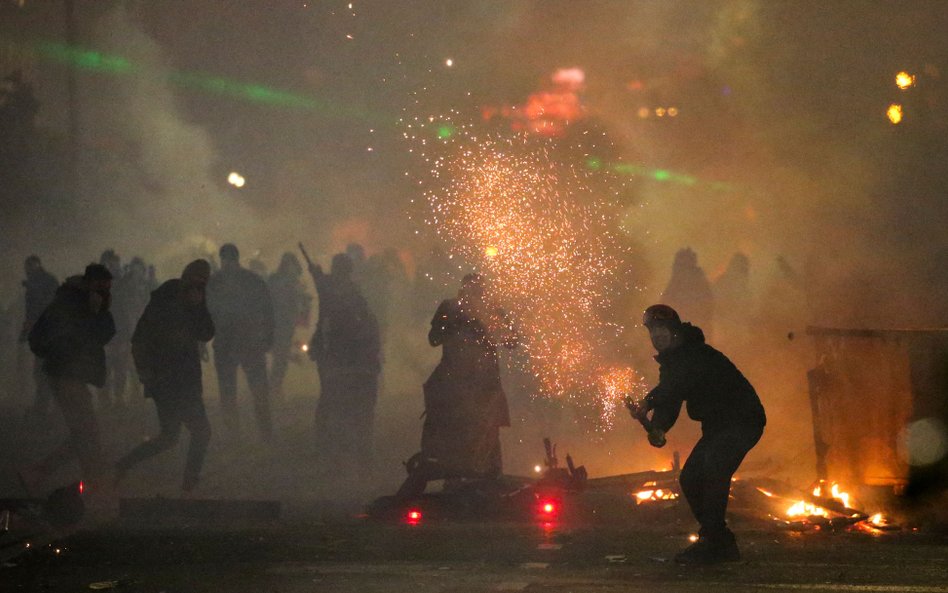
<point x="509" y="208"/>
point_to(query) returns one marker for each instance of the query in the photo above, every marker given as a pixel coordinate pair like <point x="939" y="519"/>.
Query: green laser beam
<point x="663" y="175"/>
<point x="96" y="61"/>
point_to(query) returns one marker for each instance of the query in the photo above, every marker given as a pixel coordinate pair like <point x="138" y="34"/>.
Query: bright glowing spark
<point x="904" y="80"/>
<point x="537" y="468"/>
<point x="449" y="62"/>
<point x="894" y="113"/>
<point x="236" y="179"/>
<point x="562" y="262"/>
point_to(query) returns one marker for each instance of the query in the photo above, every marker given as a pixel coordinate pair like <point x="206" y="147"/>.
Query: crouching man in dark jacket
<point x="165" y="347"/>
<point x="70" y="337"/>
<point x="731" y="416"/>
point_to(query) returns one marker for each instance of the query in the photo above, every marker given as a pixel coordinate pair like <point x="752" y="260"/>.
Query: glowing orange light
<point x="806" y="509"/>
<point x="894" y="113"/>
<point x="904" y="80"/>
<point x="491" y="251"/>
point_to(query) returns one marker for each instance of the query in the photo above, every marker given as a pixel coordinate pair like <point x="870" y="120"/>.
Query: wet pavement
<point x="353" y="555"/>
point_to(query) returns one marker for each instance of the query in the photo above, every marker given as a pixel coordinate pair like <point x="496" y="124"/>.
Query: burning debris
<point x="651" y="492"/>
<point x="827" y="506"/>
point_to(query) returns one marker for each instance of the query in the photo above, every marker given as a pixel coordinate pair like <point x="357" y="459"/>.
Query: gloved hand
<point x="656" y="438"/>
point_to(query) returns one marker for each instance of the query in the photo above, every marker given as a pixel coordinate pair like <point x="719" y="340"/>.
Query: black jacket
<point x="240" y="304"/>
<point x="166" y="341"/>
<point x="70" y="338"/>
<point x="716" y="392"/>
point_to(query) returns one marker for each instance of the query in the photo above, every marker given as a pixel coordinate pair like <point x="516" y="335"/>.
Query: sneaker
<point x="696" y="553"/>
<point x="710" y="551"/>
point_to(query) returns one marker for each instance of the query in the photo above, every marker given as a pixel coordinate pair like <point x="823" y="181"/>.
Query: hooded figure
<point x="70" y="336"/>
<point x="166" y="350"/>
<point x="465" y="403"/>
<point x="347" y="353"/>
<point x="732" y="421"/>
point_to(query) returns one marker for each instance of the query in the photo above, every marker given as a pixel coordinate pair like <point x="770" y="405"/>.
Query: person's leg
<point x="195" y="419"/>
<point x="724" y="454"/>
<point x="225" y="361"/>
<point x="75" y="401"/>
<point x="692" y="477"/>
<point x="280" y="362"/>
<point x="169" y="418"/>
<point x="255" y="368"/>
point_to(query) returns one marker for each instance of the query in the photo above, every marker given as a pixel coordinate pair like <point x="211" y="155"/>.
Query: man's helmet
<point x="660" y="314"/>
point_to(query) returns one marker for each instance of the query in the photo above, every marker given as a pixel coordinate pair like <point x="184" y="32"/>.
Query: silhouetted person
<point x="346" y="350"/>
<point x="166" y="350"/>
<point x="70" y="336"/>
<point x="289" y="301"/>
<point x="465" y="404"/>
<point x="732" y="298"/>
<point x="688" y="289"/>
<point x="732" y="421"/>
<point x="39" y="290"/>
<point x="240" y="305"/>
<point x="118" y="352"/>
<point x="134" y="290"/>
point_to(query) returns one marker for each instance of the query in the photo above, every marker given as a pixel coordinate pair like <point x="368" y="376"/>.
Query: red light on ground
<point x="548" y="508"/>
<point x="413" y="517"/>
<point x="82" y="487"/>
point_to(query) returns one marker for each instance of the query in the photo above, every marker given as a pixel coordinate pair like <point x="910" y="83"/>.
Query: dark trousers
<point x="280" y="360"/>
<point x="75" y="401"/>
<point x="706" y="478"/>
<point x="173" y="413"/>
<point x="345" y="415"/>
<point x="117" y="355"/>
<point x="227" y="357"/>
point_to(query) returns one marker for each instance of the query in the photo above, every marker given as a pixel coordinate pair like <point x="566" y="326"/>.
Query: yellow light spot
<point x="490" y="251"/>
<point x="537" y="468"/>
<point x="644" y="112"/>
<point x="904" y="80"/>
<point x="449" y="62"/>
<point x="693" y="537"/>
<point x="672" y="111"/>
<point x="894" y="113"/>
<point x="660" y="112"/>
<point x="236" y="179"/>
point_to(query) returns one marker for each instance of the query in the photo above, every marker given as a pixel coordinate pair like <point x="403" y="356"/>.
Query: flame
<point x="835" y="493"/>
<point x="802" y="508"/>
<point x="894" y="113"/>
<point x="650" y="493"/>
<point x="904" y="80"/>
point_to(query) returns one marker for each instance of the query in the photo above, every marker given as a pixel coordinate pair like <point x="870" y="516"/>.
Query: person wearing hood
<point x="166" y="351"/>
<point x="732" y="421"/>
<point x="70" y="336"/>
